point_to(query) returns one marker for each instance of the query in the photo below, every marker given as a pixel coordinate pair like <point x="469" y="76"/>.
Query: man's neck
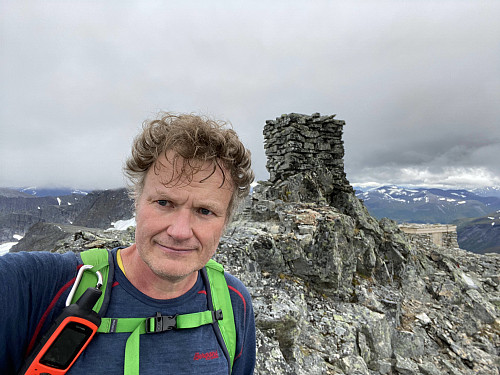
<point x="147" y="282"/>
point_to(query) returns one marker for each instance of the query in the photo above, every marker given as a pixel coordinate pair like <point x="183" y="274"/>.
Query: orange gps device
<point x="68" y="336"/>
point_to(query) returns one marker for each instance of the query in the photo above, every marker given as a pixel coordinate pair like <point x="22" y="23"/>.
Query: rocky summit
<point x="336" y="291"/>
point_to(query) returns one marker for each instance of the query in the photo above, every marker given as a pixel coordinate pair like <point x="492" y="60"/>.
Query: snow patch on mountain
<point x="50" y="192"/>
<point x="5" y="247"/>
<point x="426" y="205"/>
<point x="123" y="224"/>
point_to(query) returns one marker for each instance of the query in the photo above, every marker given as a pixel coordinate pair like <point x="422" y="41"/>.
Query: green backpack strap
<point x="218" y="300"/>
<point x="217" y="295"/>
<point x="101" y="261"/>
<point x="221" y="300"/>
<point x="156" y="324"/>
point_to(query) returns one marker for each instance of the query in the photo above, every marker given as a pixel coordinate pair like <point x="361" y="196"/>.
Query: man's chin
<point x="173" y="273"/>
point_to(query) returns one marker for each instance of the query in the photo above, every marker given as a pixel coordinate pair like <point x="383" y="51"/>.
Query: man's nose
<point x="180" y="226"/>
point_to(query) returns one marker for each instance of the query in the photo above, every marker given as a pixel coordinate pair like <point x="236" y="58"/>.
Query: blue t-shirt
<point x="34" y="289"/>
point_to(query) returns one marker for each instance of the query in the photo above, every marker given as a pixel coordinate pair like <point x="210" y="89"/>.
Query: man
<point x="187" y="175"/>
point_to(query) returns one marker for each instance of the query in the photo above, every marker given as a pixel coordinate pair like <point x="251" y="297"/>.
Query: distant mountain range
<point x="47" y="192"/>
<point x="422" y="205"/>
<point x="489" y="191"/>
<point x="20" y="210"/>
<point x="481" y="235"/>
<point x="476" y="213"/>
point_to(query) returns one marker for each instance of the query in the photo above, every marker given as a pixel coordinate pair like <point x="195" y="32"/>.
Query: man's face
<point x="179" y="224"/>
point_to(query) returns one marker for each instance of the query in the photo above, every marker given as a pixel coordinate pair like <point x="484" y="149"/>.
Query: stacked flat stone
<point x="296" y="143"/>
<point x="425" y="236"/>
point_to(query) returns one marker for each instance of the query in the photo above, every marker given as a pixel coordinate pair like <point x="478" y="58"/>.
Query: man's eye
<point x="163" y="202"/>
<point x="205" y="211"/>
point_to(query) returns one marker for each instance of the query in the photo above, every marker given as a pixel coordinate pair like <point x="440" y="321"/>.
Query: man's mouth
<point x="175" y="249"/>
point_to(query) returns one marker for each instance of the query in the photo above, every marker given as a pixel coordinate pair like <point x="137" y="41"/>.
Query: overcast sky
<point x="417" y="82"/>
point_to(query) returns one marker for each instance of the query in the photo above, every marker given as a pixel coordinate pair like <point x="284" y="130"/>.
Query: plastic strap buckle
<point x="217" y="315"/>
<point x="161" y="323"/>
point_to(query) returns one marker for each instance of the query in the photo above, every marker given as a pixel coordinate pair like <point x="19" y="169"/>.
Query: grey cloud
<point x="417" y="84"/>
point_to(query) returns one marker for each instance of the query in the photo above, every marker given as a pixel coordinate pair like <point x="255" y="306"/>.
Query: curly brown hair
<point x="193" y="138"/>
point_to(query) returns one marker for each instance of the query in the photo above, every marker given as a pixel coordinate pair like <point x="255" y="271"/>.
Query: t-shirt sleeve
<point x="30" y="284"/>
<point x="244" y="361"/>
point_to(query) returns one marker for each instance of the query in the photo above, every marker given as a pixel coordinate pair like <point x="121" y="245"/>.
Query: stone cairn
<point x="296" y="143"/>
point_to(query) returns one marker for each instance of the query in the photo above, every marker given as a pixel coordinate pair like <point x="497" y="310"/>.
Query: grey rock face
<point x="339" y="292"/>
<point x="61" y="238"/>
<point x="18" y="212"/>
<point x="105" y="207"/>
<point x="334" y="297"/>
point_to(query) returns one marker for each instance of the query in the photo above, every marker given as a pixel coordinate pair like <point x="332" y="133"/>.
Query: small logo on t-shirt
<point x="206" y="356"/>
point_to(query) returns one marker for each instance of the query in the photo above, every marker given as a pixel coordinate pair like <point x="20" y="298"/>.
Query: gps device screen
<point x="67" y="345"/>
